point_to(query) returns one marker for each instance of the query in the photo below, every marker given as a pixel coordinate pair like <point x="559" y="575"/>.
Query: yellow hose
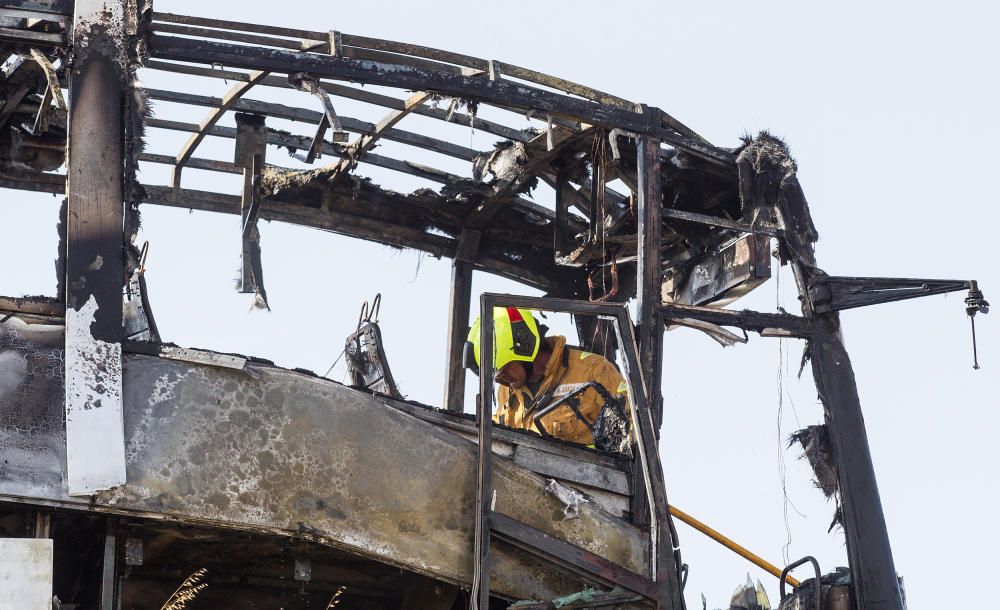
<point x="732" y="546"/>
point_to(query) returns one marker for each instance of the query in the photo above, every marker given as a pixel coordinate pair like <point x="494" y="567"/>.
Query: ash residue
<point x="769" y="189"/>
<point x="768" y="155"/>
<point x="276" y="179"/>
<point x="507" y="163"/>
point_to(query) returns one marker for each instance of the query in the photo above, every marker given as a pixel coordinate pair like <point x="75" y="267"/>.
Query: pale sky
<point x="889" y="109"/>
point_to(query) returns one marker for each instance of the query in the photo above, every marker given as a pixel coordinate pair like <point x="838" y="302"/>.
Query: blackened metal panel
<point x="724" y="276"/>
<point x="278" y="450"/>
<point x="268" y="449"/>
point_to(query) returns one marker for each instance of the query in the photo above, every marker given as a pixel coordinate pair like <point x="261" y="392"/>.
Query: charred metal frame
<point x="486" y="227"/>
<point x="649" y="277"/>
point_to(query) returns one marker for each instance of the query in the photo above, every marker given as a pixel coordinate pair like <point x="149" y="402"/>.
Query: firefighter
<point x="534" y="370"/>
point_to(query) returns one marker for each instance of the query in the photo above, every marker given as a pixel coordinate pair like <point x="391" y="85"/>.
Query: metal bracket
<point x="51" y="78"/>
<point x="53" y="94"/>
<point x="303" y="570"/>
<point x="833" y="293"/>
<point x="467" y="250"/>
<point x="310" y="84"/>
<point x="336" y="43"/>
<point x="251" y="148"/>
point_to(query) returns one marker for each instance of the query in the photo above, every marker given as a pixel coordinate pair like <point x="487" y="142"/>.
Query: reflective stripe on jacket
<point x="567" y="370"/>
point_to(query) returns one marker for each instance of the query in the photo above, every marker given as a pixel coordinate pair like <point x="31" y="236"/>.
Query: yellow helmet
<point x="516" y="337"/>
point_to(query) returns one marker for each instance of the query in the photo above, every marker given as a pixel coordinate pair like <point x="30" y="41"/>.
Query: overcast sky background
<point x="890" y="110"/>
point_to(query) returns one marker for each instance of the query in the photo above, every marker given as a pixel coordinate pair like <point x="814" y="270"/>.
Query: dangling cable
<point x="782" y="468"/>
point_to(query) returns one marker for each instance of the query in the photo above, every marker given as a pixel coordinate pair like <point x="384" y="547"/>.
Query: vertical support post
<point x="559" y="230"/>
<point x="480" y="593"/>
<point x="650" y="479"/>
<point x="95" y="444"/>
<point x="650" y="323"/>
<point x="458" y="325"/>
<point x="458" y="318"/>
<point x="109" y="569"/>
<point x="873" y="571"/>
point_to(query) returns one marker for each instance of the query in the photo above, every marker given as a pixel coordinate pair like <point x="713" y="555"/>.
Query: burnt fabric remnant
<point x="769" y="189"/>
<point x="612" y="430"/>
<point x="815" y="442"/>
<point x="816" y="448"/>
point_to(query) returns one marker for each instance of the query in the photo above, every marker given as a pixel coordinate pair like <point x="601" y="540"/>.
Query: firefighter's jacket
<point x="568" y="369"/>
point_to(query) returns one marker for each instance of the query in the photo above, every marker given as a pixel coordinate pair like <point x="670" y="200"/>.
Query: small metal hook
<point x="975" y="303"/>
<point x="369" y="313"/>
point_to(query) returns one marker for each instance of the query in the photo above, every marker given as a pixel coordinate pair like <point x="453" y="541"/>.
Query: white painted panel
<point x="25" y="574"/>
<point x="95" y="437"/>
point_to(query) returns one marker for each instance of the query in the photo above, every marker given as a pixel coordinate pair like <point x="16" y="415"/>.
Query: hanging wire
<point x="416" y="272"/>
<point x="782" y="467"/>
<point x="598" y="167"/>
<point x="335" y="362"/>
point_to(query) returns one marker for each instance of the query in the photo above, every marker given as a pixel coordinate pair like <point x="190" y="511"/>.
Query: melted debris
<point x="816" y="447"/>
